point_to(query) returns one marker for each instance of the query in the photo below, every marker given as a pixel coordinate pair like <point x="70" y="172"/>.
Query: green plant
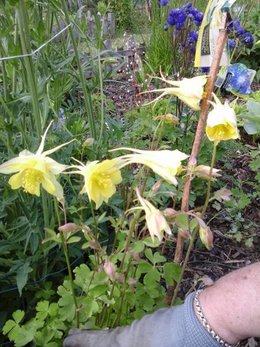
<point x="123" y="13"/>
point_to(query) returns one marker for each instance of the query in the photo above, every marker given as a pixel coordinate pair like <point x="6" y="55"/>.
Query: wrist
<point x="214" y="320"/>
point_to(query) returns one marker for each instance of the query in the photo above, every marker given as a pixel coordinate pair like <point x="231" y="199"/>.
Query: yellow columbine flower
<point x="221" y="123"/>
<point x="155" y="220"/>
<point x="165" y="163"/>
<point x="100" y="179"/>
<point x="33" y="170"/>
<point x="189" y="90"/>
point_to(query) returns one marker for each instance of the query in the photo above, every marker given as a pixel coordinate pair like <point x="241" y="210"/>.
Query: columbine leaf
<point x="171" y="273"/>
<point x="18" y="316"/>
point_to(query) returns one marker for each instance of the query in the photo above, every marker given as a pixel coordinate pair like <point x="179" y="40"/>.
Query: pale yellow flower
<point x="189" y="90"/>
<point x="155" y="220"/>
<point x="100" y="178"/>
<point x="221" y="123"/>
<point x="34" y="170"/>
<point x="165" y="163"/>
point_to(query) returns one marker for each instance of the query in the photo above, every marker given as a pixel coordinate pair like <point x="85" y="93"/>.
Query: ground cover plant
<point x="95" y="206"/>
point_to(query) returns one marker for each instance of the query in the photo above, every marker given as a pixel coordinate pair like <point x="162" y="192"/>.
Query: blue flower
<point x="205" y="69"/>
<point x="231" y="44"/>
<point x="171" y="20"/>
<point x="163" y="2"/>
<point x="192" y="37"/>
<point x="181" y="16"/>
<point x="237" y="27"/>
<point x="195" y="15"/>
<point x="187" y="6"/>
<point x="179" y="25"/>
<point x="247" y="39"/>
<point x="177" y="16"/>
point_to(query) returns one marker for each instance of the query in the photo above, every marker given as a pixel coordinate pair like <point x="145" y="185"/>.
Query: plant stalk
<point x="201" y="128"/>
<point x="86" y="93"/>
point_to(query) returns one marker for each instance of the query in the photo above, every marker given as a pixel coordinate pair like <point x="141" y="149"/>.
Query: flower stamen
<point x="31" y="181"/>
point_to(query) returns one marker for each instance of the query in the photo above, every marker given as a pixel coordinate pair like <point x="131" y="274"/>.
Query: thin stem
<point x="66" y="253"/>
<point x="99" y="46"/>
<point x="26" y="49"/>
<point x="187" y="256"/>
<point x="86" y="93"/>
<point x="128" y="240"/>
<point x="210" y="179"/>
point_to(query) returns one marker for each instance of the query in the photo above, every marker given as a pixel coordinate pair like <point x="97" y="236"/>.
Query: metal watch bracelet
<point x="205" y="323"/>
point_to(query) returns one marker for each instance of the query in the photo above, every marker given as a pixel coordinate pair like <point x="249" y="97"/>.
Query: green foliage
<point x="49" y="87"/>
<point x="160" y="52"/>
<point x="123" y="13"/>
<point x="95" y="295"/>
<point x="249" y="113"/>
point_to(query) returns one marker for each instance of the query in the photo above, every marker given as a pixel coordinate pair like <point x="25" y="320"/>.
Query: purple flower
<point x="198" y="18"/>
<point x="177" y="16"/>
<point x="192" y="37"/>
<point x="179" y="25"/>
<point x="205" y="69"/>
<point x="237" y="27"/>
<point x="247" y="39"/>
<point x="231" y="44"/>
<point x="195" y="15"/>
<point x="163" y="2"/>
<point x="171" y="20"/>
<point x="187" y="6"/>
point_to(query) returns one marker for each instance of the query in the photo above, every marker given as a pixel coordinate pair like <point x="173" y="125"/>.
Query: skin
<point x="232" y="305"/>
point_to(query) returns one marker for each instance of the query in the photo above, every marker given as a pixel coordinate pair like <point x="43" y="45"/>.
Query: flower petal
<point x="40" y="149"/>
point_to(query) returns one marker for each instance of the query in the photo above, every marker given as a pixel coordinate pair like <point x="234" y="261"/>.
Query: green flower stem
<point x="128" y="240"/>
<point x="119" y="314"/>
<point x="44" y="198"/>
<point x="213" y="159"/>
<point x="96" y="233"/>
<point x="102" y="110"/>
<point x="86" y="93"/>
<point x="26" y="49"/>
<point x="99" y="28"/>
<point x="183" y="268"/>
<point x="66" y="254"/>
<point x="14" y="71"/>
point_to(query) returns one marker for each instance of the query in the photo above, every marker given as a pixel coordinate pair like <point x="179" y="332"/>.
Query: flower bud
<point x="206" y="236"/>
<point x="68" y="228"/>
<point x="121" y="277"/>
<point x="156" y="187"/>
<point x="169" y="213"/>
<point x="169" y="118"/>
<point x="131" y="282"/>
<point x="109" y="269"/>
<point x="203" y="171"/>
<point x="88" y="142"/>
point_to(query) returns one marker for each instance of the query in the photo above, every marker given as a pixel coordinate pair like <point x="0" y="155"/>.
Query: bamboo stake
<point x="201" y="127"/>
